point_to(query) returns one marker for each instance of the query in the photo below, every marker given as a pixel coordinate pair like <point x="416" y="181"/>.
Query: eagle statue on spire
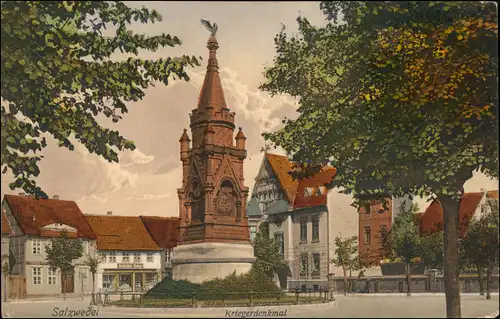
<point x="210" y="27"/>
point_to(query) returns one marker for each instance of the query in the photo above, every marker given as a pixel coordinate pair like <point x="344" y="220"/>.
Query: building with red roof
<point x="32" y="224"/>
<point x="472" y="205"/>
<point x="130" y="257"/>
<point x="165" y="232"/>
<point x="298" y="219"/>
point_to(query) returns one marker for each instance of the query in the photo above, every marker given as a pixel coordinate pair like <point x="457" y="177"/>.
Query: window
<point x="37" y="275"/>
<point x="281" y="242"/>
<point x="316" y="264"/>
<point x="253" y="232"/>
<point x="108" y="281"/>
<point x="125" y="282"/>
<point x="368" y="235"/>
<point x="51" y="277"/>
<point x="304" y="264"/>
<point x="112" y="257"/>
<point x="308" y="191"/>
<point x="37" y="246"/>
<point x="322" y="190"/>
<point x="125" y="257"/>
<point x="137" y="257"/>
<point x="149" y="257"/>
<point x="151" y="279"/>
<point x="315" y="229"/>
<point x="318" y="192"/>
<point x="367" y="207"/>
<point x="303" y="230"/>
<point x="168" y="256"/>
<point x="103" y="257"/>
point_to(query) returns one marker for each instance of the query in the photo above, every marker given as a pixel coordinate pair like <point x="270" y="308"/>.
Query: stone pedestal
<point x="205" y="261"/>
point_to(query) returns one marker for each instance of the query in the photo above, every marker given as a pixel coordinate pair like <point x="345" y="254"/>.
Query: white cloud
<point x="153" y="196"/>
<point x="105" y="177"/>
<point x="135" y="157"/>
<point x="93" y="198"/>
<point x="253" y="104"/>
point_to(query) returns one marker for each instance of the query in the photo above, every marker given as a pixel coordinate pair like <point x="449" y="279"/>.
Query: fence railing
<point x="420" y="284"/>
<point x="249" y="298"/>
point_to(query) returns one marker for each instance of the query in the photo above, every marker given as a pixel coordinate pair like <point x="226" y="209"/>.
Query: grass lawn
<point x="164" y="302"/>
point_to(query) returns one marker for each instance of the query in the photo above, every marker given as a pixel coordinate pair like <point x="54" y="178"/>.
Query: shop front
<point x="129" y="279"/>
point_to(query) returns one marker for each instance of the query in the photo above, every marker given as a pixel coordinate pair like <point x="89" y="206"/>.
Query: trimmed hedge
<point x="232" y="287"/>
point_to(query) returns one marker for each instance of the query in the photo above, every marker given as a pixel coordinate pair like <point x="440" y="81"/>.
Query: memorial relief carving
<point x="226" y="200"/>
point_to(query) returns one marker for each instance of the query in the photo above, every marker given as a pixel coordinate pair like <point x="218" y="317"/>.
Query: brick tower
<point x="214" y="237"/>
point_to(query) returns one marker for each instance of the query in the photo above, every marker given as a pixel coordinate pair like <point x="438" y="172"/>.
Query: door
<point x="68" y="282"/>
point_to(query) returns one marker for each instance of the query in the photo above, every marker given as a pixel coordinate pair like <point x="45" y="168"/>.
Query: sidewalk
<point x="49" y="298"/>
<point x="416" y="294"/>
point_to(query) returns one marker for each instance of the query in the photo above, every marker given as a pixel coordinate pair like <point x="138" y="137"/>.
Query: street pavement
<point x="355" y="306"/>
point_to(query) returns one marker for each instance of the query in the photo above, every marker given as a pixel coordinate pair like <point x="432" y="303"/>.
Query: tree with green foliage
<point x="93" y="263"/>
<point x="481" y="244"/>
<point x="385" y="244"/>
<point x="6" y="274"/>
<point x="266" y="251"/>
<point x="59" y="74"/>
<point x="431" y="250"/>
<point x="400" y="97"/>
<point x="60" y="254"/>
<point x="346" y="256"/>
<point x="405" y="240"/>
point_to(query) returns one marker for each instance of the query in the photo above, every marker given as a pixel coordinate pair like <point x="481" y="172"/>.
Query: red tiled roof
<point x="294" y="189"/>
<point x="432" y="219"/>
<point x="314" y="183"/>
<point x="121" y="233"/>
<point x="5" y="225"/>
<point x="281" y="166"/>
<point x="32" y="214"/>
<point x="492" y="194"/>
<point x="164" y="230"/>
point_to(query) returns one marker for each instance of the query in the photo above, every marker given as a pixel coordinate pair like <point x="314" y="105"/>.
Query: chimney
<point x="22" y="194"/>
<point x="109" y="213"/>
<point x="55" y="197"/>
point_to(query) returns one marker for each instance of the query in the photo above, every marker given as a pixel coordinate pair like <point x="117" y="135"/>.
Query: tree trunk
<point x="350" y="281"/>
<point x="488" y="277"/>
<point x="408" y="279"/>
<point x="307" y="273"/>
<point x="451" y="271"/>
<point x="481" y="286"/>
<point x="93" y="282"/>
<point x="63" y="281"/>
<point x="345" y="280"/>
<point x="5" y="288"/>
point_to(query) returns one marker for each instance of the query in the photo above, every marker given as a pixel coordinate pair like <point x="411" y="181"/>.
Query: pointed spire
<point x="185" y="137"/>
<point x="240" y="134"/>
<point x="212" y="94"/>
<point x="240" y="139"/>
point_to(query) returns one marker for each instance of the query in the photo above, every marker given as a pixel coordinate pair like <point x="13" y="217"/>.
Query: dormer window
<point x="308" y="191"/>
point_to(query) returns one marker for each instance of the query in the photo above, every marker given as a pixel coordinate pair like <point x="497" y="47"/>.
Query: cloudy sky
<point x="145" y="180"/>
